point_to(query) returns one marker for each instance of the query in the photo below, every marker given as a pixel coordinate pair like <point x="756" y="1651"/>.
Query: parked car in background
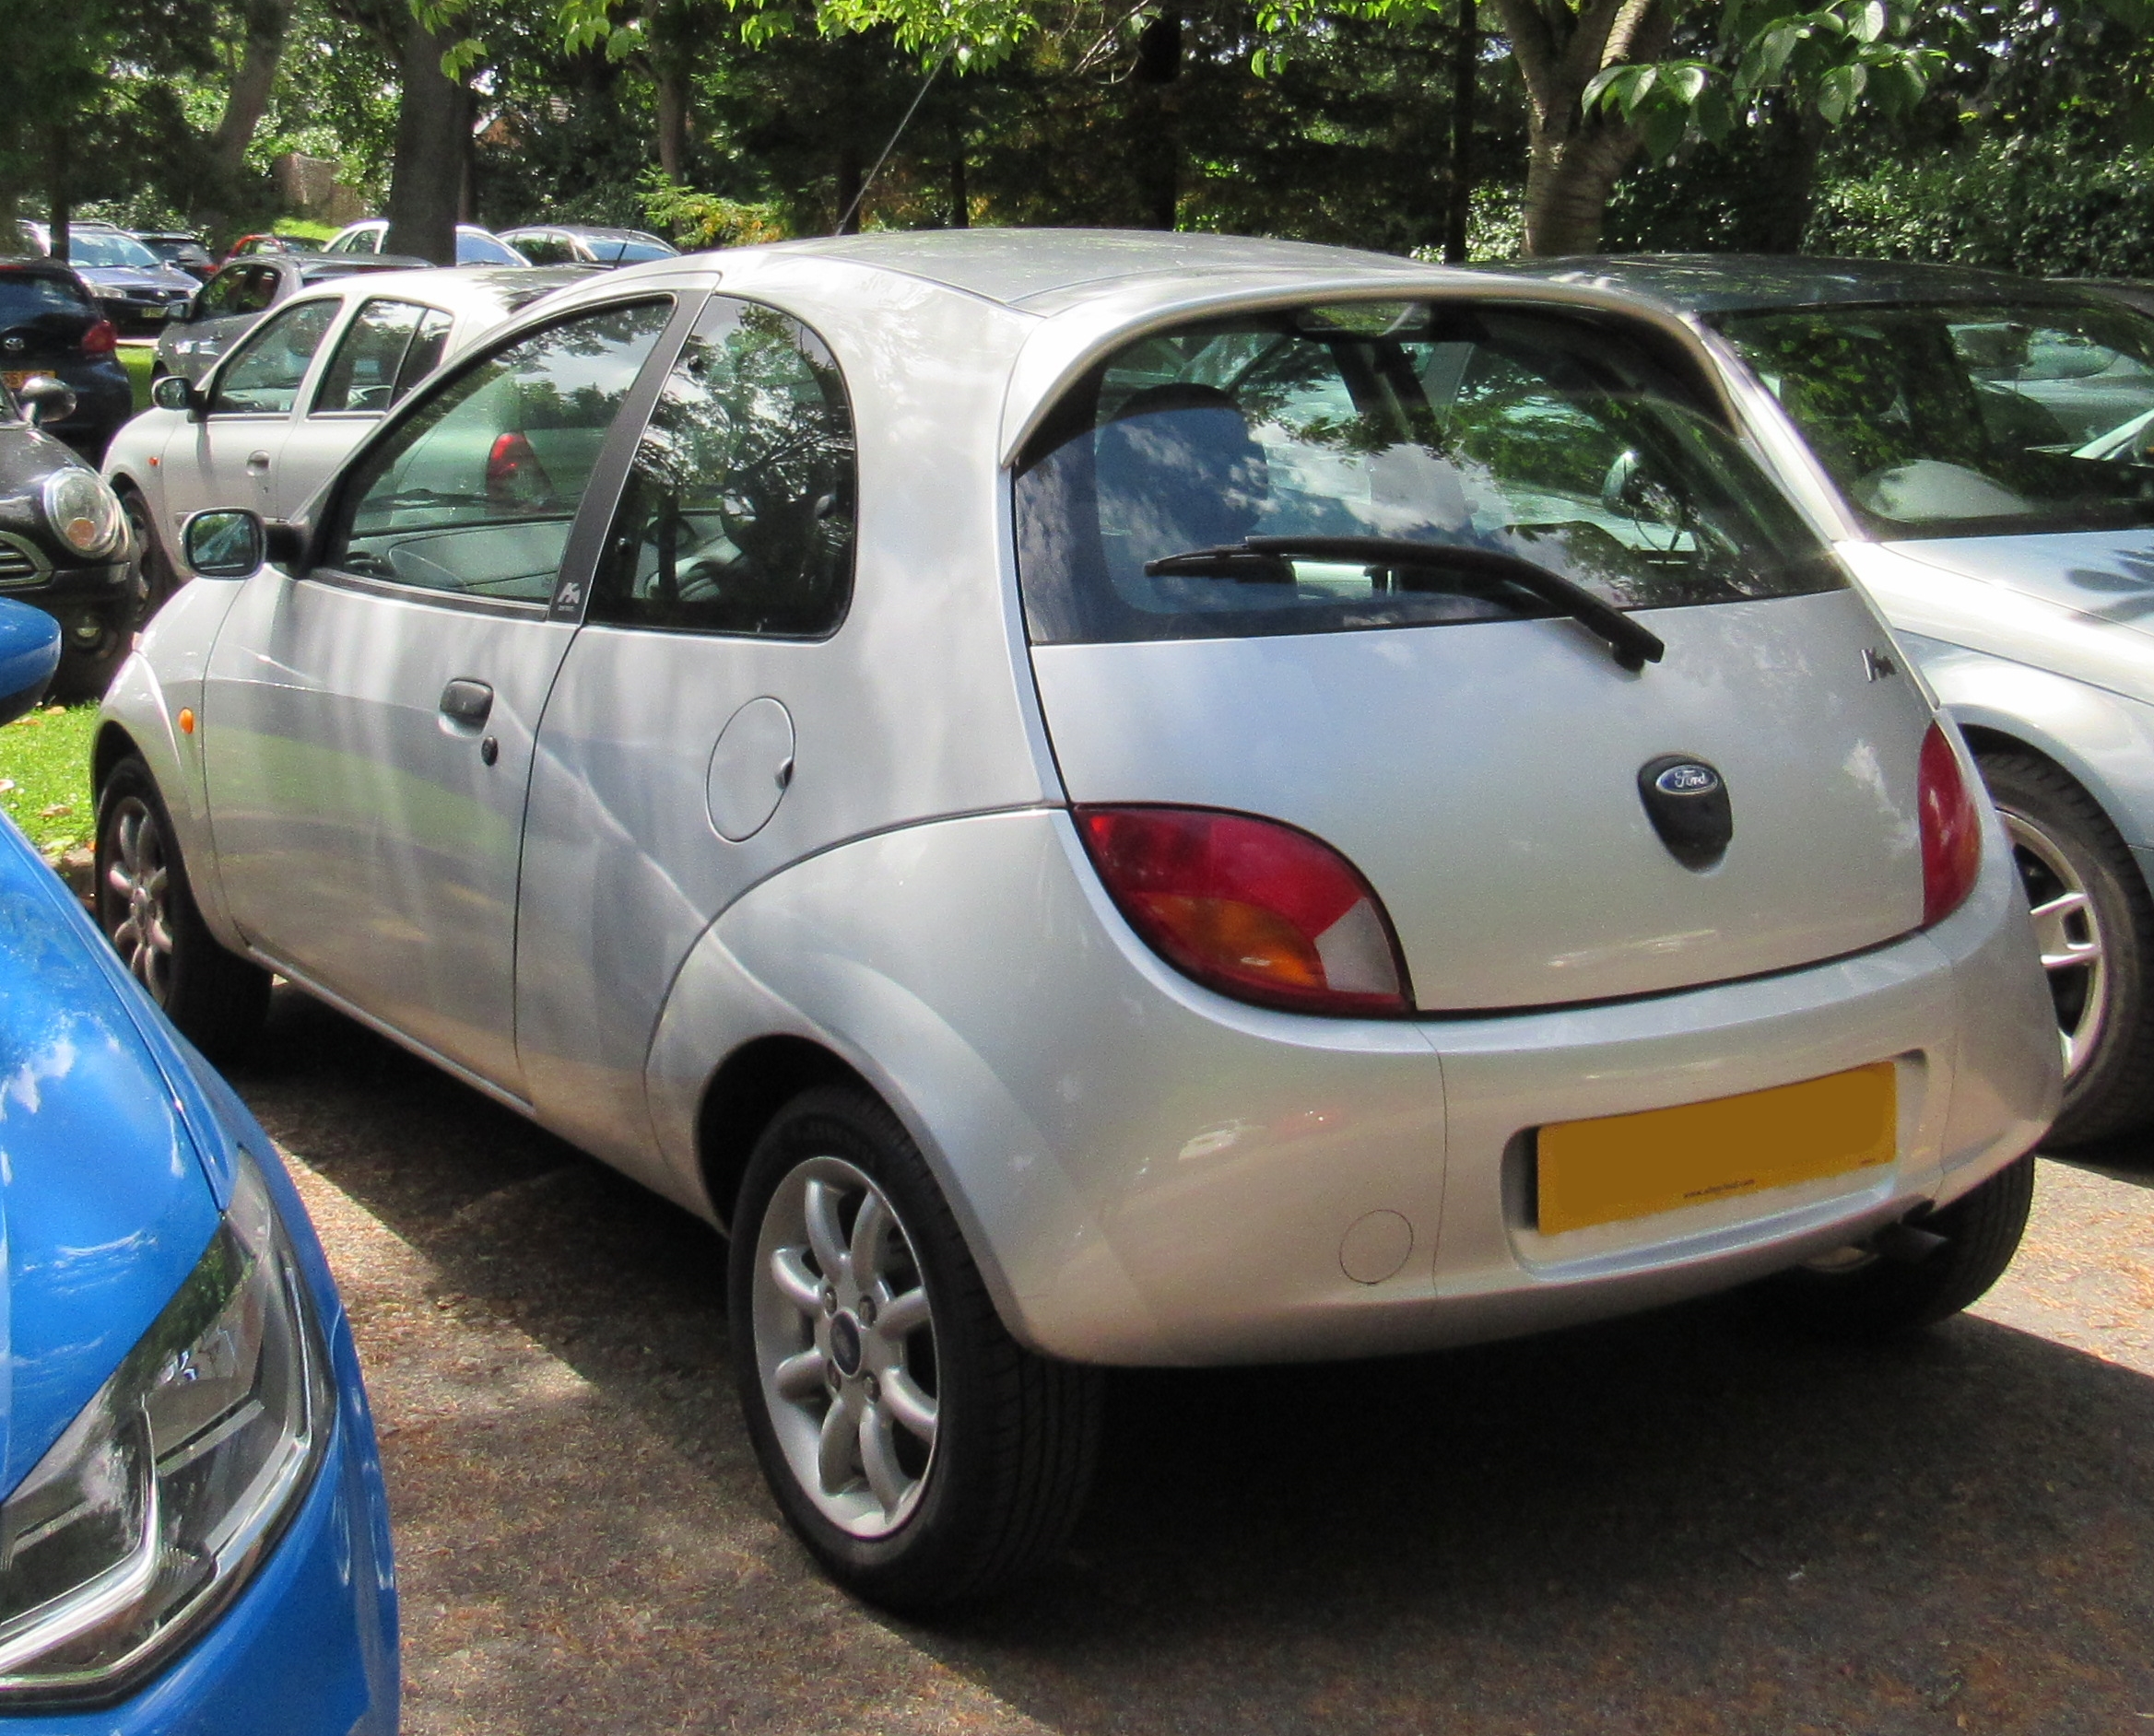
<point x="248" y="246"/>
<point x="227" y="306"/>
<point x="179" y="247"/>
<point x="1082" y="796"/>
<point x="266" y="425"/>
<point x="136" y="289"/>
<point x="63" y="545"/>
<point x="197" y="1529"/>
<point x="1977" y="446"/>
<point x="50" y="323"/>
<point x="586" y="244"/>
<point x="474" y="246"/>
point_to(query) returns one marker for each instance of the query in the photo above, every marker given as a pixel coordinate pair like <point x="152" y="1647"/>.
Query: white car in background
<point x="474" y="246"/>
<point x="268" y="424"/>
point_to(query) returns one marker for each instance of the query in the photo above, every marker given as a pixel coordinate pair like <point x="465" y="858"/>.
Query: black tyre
<point x="154" y="579"/>
<point x="1861" y="1293"/>
<point x="921" y="1453"/>
<point x="85" y="671"/>
<point x="2095" y="923"/>
<point x="147" y="910"/>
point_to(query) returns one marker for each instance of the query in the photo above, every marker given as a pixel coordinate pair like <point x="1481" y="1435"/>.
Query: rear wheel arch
<point x="745" y="1095"/>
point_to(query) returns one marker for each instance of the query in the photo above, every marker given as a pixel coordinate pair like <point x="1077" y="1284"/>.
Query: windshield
<point x="475" y="249"/>
<point x="1517" y="432"/>
<point x="1955" y="420"/>
<point x="100" y="247"/>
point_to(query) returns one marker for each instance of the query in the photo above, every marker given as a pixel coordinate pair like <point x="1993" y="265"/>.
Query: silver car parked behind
<point x="1106" y="798"/>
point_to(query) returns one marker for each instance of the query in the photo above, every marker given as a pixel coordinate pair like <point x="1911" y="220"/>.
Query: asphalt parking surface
<point x="1679" y="1523"/>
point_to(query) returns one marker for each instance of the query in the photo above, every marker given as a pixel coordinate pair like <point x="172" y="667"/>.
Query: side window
<point x="428" y="347"/>
<point x="476" y="493"/>
<point x="737" y="517"/>
<point x="218" y="296"/>
<point x="363" y="372"/>
<point x="257" y="289"/>
<point x="264" y="374"/>
<point x="542" y="247"/>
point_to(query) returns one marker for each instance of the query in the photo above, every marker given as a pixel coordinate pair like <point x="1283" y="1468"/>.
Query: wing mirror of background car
<point x="173" y="392"/>
<point x="46" y="400"/>
<point x="29" y="651"/>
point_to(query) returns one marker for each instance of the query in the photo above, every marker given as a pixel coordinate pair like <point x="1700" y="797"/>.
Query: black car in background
<point x="63" y="541"/>
<point x="50" y="323"/>
<point x="227" y="307"/>
<point x="136" y="289"/>
<point x="176" y="247"/>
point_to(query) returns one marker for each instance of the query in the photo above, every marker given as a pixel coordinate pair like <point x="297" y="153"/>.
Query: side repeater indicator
<point x="1687" y="801"/>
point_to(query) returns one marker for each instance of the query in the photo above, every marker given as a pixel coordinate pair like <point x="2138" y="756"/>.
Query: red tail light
<point x="1952" y="828"/>
<point x="515" y="478"/>
<point x="1250" y="908"/>
<point x="101" y="339"/>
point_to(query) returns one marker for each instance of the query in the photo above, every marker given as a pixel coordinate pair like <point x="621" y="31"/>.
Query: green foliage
<point x="1828" y="62"/>
<point x="697" y="220"/>
<point x="2039" y="205"/>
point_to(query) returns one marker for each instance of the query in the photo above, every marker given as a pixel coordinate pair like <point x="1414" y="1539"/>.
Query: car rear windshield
<point x="30" y="298"/>
<point x="1516" y="432"/>
<point x="1950" y="420"/>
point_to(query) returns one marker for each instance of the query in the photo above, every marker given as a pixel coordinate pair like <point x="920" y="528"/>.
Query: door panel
<point x="364" y="836"/>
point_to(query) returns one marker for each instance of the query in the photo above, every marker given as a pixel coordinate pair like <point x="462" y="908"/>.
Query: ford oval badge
<point x="1690" y="777"/>
<point x="1687" y="801"/>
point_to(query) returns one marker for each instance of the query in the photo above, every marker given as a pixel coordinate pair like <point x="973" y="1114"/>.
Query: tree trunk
<point x="1157" y="114"/>
<point x="960" y="200"/>
<point x="670" y="84"/>
<point x="56" y="190"/>
<point x="433" y="143"/>
<point x="249" y="98"/>
<point x="1573" y="163"/>
<point x="1459" y="203"/>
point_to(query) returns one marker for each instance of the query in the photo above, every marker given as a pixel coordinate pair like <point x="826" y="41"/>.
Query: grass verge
<point x="44" y="775"/>
<point x="137" y="359"/>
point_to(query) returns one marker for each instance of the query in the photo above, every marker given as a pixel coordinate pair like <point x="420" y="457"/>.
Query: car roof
<point x="458" y="288"/>
<point x="1728" y="283"/>
<point x="601" y="231"/>
<point x="314" y="267"/>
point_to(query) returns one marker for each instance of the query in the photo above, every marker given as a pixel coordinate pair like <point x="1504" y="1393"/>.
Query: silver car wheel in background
<point x="2068" y="929"/>
<point x="139" y="875"/>
<point x="844" y="1337"/>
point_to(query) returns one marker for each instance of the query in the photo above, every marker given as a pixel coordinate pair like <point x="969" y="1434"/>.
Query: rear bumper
<point x="1151" y="1174"/>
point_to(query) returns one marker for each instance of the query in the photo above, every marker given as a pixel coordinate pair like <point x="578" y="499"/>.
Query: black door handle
<point x="468" y="702"/>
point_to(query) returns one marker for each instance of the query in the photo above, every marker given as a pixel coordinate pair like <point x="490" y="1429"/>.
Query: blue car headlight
<point x="169" y="1488"/>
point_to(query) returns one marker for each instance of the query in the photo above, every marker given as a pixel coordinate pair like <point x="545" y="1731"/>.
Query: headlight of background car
<point x="84" y="511"/>
<point x="167" y="1489"/>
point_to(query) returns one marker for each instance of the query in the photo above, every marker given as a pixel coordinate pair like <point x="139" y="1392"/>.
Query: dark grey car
<point x="231" y="302"/>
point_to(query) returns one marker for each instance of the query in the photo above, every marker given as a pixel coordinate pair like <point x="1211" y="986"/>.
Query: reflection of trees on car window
<point x="738" y="514"/>
<point x="1937" y="418"/>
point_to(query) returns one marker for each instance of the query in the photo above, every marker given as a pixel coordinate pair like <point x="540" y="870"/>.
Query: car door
<point x="224" y="456"/>
<point x="367" y="727"/>
<point x="669" y="744"/>
<point x="386" y="346"/>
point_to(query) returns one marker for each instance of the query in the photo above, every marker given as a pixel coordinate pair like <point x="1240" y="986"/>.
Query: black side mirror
<point x="29" y="651"/>
<point x="225" y="543"/>
<point x="45" y="400"/>
<point x="175" y="392"/>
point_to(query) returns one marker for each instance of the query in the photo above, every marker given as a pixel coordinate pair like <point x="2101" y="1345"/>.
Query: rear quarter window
<point x="1519" y="432"/>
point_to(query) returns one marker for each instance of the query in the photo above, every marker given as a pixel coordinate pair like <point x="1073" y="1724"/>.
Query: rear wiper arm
<point x="1267" y="558"/>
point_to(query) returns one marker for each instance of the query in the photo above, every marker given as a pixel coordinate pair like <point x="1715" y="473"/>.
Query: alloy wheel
<point x="845" y="1350"/>
<point x="2067" y="928"/>
<point x="137" y="879"/>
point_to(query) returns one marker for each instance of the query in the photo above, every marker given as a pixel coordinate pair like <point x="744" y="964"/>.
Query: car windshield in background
<point x="1955" y="419"/>
<point x="483" y="250"/>
<point x="100" y="247"/>
<point x="1484" y="432"/>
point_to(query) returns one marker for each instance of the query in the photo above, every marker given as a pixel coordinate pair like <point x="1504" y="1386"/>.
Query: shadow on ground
<point x="1682" y="1522"/>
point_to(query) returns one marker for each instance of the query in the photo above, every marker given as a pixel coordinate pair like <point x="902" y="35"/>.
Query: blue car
<point x="194" y="1537"/>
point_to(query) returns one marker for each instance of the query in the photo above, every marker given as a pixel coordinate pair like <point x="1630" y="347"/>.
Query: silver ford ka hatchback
<point x="1106" y="798"/>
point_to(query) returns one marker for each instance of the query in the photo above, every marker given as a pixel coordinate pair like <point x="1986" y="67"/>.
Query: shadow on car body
<point x="1682" y="1521"/>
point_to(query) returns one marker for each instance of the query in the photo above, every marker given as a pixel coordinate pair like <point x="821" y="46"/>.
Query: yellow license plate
<point x="1633" y="1166"/>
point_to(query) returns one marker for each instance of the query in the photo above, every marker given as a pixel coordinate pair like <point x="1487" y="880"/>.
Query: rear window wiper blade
<point x="1267" y="558"/>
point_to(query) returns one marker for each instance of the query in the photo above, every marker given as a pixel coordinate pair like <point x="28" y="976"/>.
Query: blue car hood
<point x="106" y="1202"/>
<point x="2106" y="574"/>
